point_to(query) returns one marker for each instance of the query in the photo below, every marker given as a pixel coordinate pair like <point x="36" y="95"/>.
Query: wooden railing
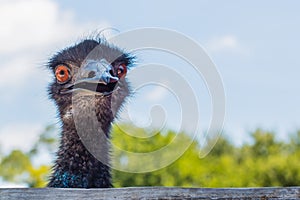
<point x="150" y="193"/>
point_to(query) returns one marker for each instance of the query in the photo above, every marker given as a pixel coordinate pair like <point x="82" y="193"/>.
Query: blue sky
<point x="255" y="46"/>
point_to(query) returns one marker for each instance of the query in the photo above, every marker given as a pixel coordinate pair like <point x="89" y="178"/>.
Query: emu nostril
<point x="111" y="72"/>
<point x="91" y="74"/>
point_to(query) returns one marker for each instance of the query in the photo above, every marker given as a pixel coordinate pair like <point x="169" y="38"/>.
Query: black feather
<point x="75" y="166"/>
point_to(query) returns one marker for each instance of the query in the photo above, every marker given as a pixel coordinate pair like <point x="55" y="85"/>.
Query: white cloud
<point x="227" y="43"/>
<point x="30" y="31"/>
<point x="15" y="71"/>
<point x="35" y="23"/>
<point x="29" y="24"/>
<point x="19" y="136"/>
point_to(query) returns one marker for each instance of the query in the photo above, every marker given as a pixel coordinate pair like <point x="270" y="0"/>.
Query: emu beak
<point x="94" y="77"/>
<point x="100" y="72"/>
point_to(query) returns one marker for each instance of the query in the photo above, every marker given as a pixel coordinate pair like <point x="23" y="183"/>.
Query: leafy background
<point x="265" y="161"/>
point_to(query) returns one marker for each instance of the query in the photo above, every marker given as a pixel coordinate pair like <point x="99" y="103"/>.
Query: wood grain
<point x="150" y="193"/>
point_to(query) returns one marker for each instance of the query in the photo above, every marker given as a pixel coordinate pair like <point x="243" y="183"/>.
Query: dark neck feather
<point x="75" y="166"/>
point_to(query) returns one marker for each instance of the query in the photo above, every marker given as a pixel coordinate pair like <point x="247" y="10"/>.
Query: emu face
<point x="89" y="71"/>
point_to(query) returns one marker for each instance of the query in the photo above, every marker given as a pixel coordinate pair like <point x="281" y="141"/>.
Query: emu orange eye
<point x="62" y="73"/>
<point x="122" y="70"/>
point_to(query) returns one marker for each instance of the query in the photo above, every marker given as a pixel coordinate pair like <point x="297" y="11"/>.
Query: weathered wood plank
<point x="150" y="193"/>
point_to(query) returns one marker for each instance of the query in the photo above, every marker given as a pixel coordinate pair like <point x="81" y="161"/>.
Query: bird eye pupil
<point x="62" y="72"/>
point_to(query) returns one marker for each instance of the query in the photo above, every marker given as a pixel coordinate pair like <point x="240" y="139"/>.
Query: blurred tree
<point x="14" y="165"/>
<point x="179" y="173"/>
<point x="18" y="166"/>
<point x="263" y="162"/>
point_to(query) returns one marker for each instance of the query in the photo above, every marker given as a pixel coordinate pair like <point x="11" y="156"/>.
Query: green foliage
<point x="18" y="166"/>
<point x="263" y="162"/>
<point x="179" y="173"/>
<point x="13" y="165"/>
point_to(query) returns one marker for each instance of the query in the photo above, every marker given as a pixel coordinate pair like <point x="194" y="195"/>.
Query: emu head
<point x="92" y="75"/>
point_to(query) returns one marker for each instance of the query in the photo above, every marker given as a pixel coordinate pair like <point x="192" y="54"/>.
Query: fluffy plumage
<point x="75" y="166"/>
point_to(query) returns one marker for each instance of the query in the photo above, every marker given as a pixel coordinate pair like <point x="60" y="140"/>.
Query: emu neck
<point x="83" y="155"/>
